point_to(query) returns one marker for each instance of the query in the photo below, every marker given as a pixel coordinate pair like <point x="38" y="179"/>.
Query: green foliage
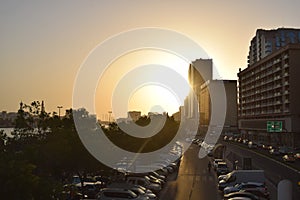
<point x="43" y="148"/>
<point x="134" y="144"/>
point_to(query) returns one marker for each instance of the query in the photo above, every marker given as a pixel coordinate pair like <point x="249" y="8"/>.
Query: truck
<point x="241" y="176"/>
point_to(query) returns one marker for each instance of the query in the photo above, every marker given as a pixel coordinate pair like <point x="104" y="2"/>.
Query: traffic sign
<point x="274" y="126"/>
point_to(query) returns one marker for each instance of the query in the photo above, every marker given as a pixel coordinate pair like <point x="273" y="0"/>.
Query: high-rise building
<point x="268" y="92"/>
<point x="265" y="42"/>
<point x="200" y="71"/>
<point x="230" y="123"/>
<point x="201" y="81"/>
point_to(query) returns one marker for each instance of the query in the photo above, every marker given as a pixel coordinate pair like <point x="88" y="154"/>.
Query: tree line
<point x="45" y="150"/>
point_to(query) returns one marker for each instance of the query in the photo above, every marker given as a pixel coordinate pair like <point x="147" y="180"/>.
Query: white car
<point x="119" y="194"/>
<point x="142" y="181"/>
<point x="249" y="186"/>
<point x="139" y="190"/>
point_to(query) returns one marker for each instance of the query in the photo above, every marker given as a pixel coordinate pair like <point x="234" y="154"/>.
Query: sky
<point x="44" y="43"/>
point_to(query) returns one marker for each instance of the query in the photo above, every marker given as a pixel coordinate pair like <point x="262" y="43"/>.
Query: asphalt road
<point x="193" y="181"/>
<point x="275" y="171"/>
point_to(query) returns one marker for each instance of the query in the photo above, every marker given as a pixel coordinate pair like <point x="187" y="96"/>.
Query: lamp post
<point x="109" y="114"/>
<point x="59" y="107"/>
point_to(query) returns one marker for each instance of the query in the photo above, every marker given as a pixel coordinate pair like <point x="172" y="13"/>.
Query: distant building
<point x="177" y="116"/>
<point x="7" y="119"/>
<point x="230" y="124"/>
<point x="268" y="92"/>
<point x="266" y="42"/>
<point x="134" y="115"/>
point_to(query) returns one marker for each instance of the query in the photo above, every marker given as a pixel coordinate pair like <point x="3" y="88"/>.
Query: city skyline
<point x="44" y="44"/>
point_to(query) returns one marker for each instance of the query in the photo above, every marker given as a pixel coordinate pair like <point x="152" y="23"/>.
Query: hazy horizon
<point x="43" y="44"/>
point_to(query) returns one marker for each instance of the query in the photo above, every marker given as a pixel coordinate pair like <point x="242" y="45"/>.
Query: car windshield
<point x="222" y="166"/>
<point x="138" y="191"/>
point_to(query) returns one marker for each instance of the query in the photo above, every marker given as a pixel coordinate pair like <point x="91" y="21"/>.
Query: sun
<point x="151" y="97"/>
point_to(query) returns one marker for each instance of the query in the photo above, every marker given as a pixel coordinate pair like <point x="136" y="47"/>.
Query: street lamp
<point x="59" y="107"/>
<point x="109" y="114"/>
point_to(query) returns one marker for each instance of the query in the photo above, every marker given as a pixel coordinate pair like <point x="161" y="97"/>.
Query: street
<point x="193" y="182"/>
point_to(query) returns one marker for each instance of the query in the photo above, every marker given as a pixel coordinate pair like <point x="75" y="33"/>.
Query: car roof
<point x="237" y="194"/>
<point x="253" y="183"/>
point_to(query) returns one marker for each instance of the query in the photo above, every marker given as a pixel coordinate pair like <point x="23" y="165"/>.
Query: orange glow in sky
<point x="43" y="44"/>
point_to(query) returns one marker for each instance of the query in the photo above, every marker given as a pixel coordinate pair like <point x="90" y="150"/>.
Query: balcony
<point x="277" y="111"/>
<point x="277" y="69"/>
<point x="277" y="94"/>
<point x="277" y="86"/>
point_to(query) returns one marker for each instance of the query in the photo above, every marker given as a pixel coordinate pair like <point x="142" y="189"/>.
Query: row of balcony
<point x="269" y="112"/>
<point x="265" y="105"/>
<point x="261" y="88"/>
<point x="267" y="66"/>
<point x="269" y="75"/>
<point x="253" y="100"/>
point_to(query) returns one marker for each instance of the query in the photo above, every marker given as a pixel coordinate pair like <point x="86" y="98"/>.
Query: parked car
<point x="297" y="156"/>
<point x="215" y="162"/>
<point x="245" y="141"/>
<point x="249" y="187"/>
<point x="241" y="194"/>
<point x="274" y="152"/>
<point x="139" y="190"/>
<point x="155" y="174"/>
<point x="252" y="145"/>
<point x="289" y="158"/>
<point x="285" y="150"/>
<point x="142" y="181"/>
<point x="222" y="168"/>
<point x="240" y="176"/>
<point x="259" y="145"/>
<point x="118" y="194"/>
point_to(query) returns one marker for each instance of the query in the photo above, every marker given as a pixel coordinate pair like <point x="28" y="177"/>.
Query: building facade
<point x="265" y="42"/>
<point x="199" y="72"/>
<point x="230" y="124"/>
<point x="134" y="115"/>
<point x="201" y="80"/>
<point x="268" y="96"/>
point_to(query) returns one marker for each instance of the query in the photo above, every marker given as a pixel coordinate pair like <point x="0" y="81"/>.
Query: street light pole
<point x="59" y="107"/>
<point x="109" y="114"/>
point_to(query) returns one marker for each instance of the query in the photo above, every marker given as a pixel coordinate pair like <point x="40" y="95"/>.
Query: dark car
<point x="241" y="194"/>
<point x="289" y="158"/>
<point x="274" y="152"/>
<point x="222" y="168"/>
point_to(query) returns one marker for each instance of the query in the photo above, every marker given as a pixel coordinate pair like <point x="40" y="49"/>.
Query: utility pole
<point x="109" y="114"/>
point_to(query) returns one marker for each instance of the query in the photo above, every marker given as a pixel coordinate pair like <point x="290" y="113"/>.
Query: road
<point x="193" y="181"/>
<point x="275" y="171"/>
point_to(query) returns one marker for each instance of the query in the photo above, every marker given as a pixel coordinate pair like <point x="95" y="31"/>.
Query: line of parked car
<point x="124" y="185"/>
<point x="287" y="154"/>
<point x="240" y="184"/>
